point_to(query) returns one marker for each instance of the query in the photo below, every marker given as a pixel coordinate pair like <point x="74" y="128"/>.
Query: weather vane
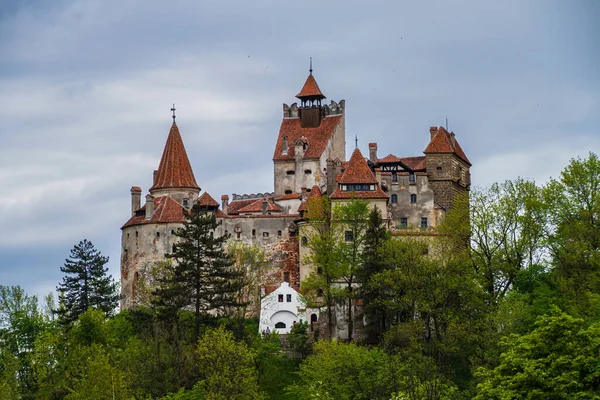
<point x="356" y="141"/>
<point x="173" y="109"/>
<point x="310" y="68"/>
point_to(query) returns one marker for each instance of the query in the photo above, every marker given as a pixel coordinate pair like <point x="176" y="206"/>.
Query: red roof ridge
<point x="256" y="206"/>
<point x="315" y="193"/>
<point x="445" y="142"/>
<point x="174" y="170"/>
<point x="358" y="170"/>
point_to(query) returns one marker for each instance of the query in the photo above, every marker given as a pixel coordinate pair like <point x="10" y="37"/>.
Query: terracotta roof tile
<point x="207" y="200"/>
<point x="234" y="206"/>
<point x="442" y="143"/>
<point x="377" y="194"/>
<point x="317" y="138"/>
<point x="257" y="205"/>
<point x="291" y="196"/>
<point x="310" y="88"/>
<point x="174" y="170"/>
<point x="165" y="210"/>
<point x="414" y="163"/>
<point x="390" y="158"/>
<point x="358" y="170"/>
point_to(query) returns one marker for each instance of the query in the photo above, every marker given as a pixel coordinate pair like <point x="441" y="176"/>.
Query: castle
<point x="309" y="160"/>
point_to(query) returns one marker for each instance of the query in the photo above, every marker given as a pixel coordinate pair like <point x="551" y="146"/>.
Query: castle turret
<point x="174" y="176"/>
<point x="310" y="107"/>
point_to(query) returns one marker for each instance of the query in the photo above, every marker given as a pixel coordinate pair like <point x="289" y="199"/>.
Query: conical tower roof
<point x="358" y="170"/>
<point x="174" y="170"/>
<point x="310" y="89"/>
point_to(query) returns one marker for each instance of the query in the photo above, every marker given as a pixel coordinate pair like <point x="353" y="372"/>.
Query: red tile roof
<point x="310" y="88"/>
<point x="358" y="170"/>
<point x="317" y="138"/>
<point x="442" y="143"/>
<point x="174" y="170"/>
<point x="136" y="189"/>
<point x="390" y="158"/>
<point x="414" y="163"/>
<point x="234" y="206"/>
<point x="165" y="210"/>
<point x="291" y="196"/>
<point x="256" y="206"/>
<point x="315" y="193"/>
<point x="377" y="194"/>
<point x="207" y="200"/>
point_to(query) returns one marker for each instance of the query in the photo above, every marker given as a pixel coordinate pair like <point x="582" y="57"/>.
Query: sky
<point x="86" y="88"/>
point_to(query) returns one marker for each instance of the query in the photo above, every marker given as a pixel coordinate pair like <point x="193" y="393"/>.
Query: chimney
<point x="330" y="176"/>
<point x="432" y="132"/>
<point x="136" y="196"/>
<point x="373" y="152"/>
<point x="264" y="206"/>
<point x="303" y="188"/>
<point x="149" y="206"/>
<point x="453" y="140"/>
<point x="225" y="203"/>
<point x="154" y="175"/>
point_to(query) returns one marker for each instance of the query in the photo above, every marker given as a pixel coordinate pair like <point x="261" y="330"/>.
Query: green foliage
<point x="344" y="371"/>
<point x="559" y="359"/>
<point x="298" y="338"/>
<point x="85" y="284"/>
<point x="227" y="367"/>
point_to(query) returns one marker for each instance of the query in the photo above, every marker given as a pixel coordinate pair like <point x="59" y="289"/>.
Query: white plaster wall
<point x="273" y="311"/>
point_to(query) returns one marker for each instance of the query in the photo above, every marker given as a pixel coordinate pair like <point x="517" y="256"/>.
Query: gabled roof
<point x="235" y="206"/>
<point x="414" y="163"/>
<point x="174" y="170"/>
<point x="310" y="89"/>
<point x="315" y="193"/>
<point x="256" y="206"/>
<point x="442" y="142"/>
<point x="390" y="158"/>
<point x="165" y="210"/>
<point x="358" y="170"/>
<point x="316" y="138"/>
<point x="206" y="200"/>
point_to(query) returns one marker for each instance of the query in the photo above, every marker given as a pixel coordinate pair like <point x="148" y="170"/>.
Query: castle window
<point x="394" y="198"/>
<point x="305" y="146"/>
<point x="307" y="171"/>
<point x="239" y="235"/>
<point x="291" y="172"/>
<point x="439" y="168"/>
<point x="137" y="234"/>
<point x="348" y="236"/>
<point x="280" y="325"/>
<point x="185" y="202"/>
<point x="226" y="232"/>
<point x="308" y="190"/>
<point x="288" y="298"/>
<point x="288" y="192"/>
<point x="304" y="241"/>
<point x="413" y="198"/>
<point x="253" y="233"/>
<point x="173" y="248"/>
<point x="403" y="222"/>
<point x="128" y="236"/>
<point x="284" y="149"/>
<point x="424" y="222"/>
<point x="279" y="233"/>
<point x="280" y="298"/>
<point x="394" y="177"/>
<point x="265" y="234"/>
<point x="157" y="234"/>
<point x="286" y="276"/>
<point x="411" y="177"/>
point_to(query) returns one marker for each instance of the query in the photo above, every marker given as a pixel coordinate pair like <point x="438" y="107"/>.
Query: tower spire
<point x="310" y="68"/>
<point x="173" y="110"/>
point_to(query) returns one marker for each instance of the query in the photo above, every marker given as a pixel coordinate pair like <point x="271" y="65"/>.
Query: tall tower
<point x="308" y="136"/>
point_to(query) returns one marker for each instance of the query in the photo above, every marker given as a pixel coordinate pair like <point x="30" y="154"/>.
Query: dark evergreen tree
<point x="86" y="284"/>
<point x="203" y="276"/>
<point x="374" y="262"/>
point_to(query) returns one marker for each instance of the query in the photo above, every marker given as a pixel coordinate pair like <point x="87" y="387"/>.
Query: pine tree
<point x="203" y="276"/>
<point x="86" y="284"/>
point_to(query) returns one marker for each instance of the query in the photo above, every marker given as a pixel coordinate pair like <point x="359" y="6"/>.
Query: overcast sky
<point x="86" y="88"/>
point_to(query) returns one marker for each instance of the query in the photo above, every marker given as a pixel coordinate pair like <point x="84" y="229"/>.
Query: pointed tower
<point x="308" y="136"/>
<point x="174" y="176"/>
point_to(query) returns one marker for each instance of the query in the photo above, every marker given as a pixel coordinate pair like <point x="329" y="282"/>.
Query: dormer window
<point x="284" y="149"/>
<point x="358" y="188"/>
<point x="185" y="202"/>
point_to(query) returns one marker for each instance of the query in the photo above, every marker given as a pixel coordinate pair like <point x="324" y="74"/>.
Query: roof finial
<point x="356" y="141"/>
<point x="173" y="109"/>
<point x="446" y="123"/>
<point x="310" y="68"/>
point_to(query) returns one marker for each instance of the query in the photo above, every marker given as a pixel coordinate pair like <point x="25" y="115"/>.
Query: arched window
<point x="288" y="192"/>
<point x="304" y="241"/>
<point x="280" y="325"/>
<point x="284" y="149"/>
<point x="394" y="198"/>
<point x="413" y="198"/>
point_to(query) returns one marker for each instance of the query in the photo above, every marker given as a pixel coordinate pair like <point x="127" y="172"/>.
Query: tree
<point x="227" y="367"/>
<point x="353" y="217"/>
<point x="203" y="277"/>
<point x="86" y="284"/>
<point x="557" y="360"/>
